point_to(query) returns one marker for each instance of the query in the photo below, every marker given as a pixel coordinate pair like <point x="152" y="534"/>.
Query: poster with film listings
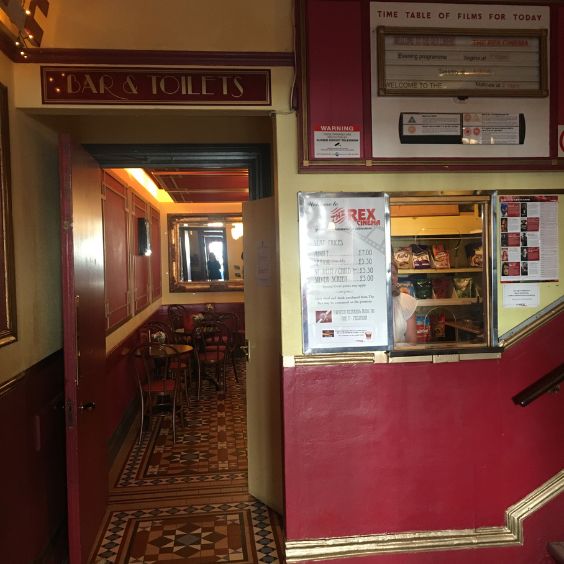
<point x="343" y="272"/>
<point x="528" y="227"/>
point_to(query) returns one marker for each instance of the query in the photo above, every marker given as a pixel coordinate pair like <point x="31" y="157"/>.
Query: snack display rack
<point x="443" y="261"/>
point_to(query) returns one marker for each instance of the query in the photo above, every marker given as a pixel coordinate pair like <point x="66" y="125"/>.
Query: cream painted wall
<point x="34" y="163"/>
<point x="185" y="25"/>
<point x="290" y="183"/>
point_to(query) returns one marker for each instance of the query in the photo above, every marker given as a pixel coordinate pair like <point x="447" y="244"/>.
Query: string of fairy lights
<point x="23" y="38"/>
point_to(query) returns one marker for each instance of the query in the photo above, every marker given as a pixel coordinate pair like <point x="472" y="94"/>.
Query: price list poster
<point x="344" y="253"/>
<point x="529" y="238"/>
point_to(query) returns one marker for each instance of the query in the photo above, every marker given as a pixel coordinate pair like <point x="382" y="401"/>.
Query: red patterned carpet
<point x="189" y="502"/>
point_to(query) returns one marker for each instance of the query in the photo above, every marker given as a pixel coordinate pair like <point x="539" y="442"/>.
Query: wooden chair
<point x="158" y="385"/>
<point x="210" y="340"/>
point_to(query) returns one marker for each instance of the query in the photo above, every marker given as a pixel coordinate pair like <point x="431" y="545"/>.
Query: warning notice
<point x="336" y="141"/>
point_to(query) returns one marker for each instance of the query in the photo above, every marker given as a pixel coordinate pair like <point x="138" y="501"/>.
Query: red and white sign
<point x="561" y="140"/>
<point x="336" y="141"/>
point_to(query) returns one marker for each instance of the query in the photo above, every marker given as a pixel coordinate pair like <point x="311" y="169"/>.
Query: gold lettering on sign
<point x="89" y="84"/>
<point x="205" y="80"/>
<point x="129" y="86"/>
<point x="239" y="87"/>
<point x="73" y="85"/>
<point x="190" y="89"/>
<point x="106" y="86"/>
<point x="224" y="85"/>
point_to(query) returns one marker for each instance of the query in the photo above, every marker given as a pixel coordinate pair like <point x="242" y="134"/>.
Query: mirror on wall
<point x="205" y="252"/>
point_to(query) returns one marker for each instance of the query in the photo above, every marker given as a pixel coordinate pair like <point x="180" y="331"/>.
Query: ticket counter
<point x="442" y="247"/>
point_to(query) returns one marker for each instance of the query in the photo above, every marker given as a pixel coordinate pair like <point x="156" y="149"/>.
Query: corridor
<point x="189" y="502"/>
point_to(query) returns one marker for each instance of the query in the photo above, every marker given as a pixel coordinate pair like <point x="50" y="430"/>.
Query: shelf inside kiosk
<point x="441" y="253"/>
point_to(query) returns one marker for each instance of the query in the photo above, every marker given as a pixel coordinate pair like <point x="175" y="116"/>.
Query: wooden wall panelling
<point x="156" y="278"/>
<point x="116" y="251"/>
<point x="334" y="69"/>
<point x="32" y="435"/>
<point x="140" y="262"/>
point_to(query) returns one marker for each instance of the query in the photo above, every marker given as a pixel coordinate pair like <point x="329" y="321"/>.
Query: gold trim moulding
<point x="377" y="357"/>
<point x="417" y="541"/>
<point x="507" y="342"/>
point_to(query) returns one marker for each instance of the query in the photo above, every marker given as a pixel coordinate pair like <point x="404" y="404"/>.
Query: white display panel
<point x="533" y="111"/>
<point x="344" y="253"/>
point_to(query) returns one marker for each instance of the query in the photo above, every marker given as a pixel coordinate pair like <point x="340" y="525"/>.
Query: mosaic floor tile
<point x="211" y="446"/>
<point x="149" y="520"/>
<point x="218" y="532"/>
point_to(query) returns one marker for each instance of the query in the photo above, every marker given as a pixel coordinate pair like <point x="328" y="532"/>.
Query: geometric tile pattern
<point x="215" y="532"/>
<point x="189" y="501"/>
<point x="210" y="447"/>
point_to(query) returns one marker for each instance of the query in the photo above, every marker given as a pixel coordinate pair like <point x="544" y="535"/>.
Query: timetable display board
<point x="344" y="253"/>
<point x="460" y="62"/>
<point x="457" y="76"/>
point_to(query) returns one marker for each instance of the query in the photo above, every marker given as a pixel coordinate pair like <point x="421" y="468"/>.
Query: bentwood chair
<point x="158" y="385"/>
<point x="160" y="332"/>
<point x="232" y="321"/>
<point x="176" y="316"/>
<point x="210" y="340"/>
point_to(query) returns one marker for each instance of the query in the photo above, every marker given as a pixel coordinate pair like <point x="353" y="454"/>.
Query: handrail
<point x="545" y="384"/>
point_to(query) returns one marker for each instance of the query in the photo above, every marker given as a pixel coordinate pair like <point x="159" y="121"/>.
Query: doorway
<point x="256" y="158"/>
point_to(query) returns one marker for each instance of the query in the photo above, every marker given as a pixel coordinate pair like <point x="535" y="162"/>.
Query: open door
<point x="82" y="257"/>
<point x="263" y="332"/>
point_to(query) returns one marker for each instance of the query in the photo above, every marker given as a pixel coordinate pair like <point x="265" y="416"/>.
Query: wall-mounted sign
<point x="561" y="140"/>
<point x="137" y="85"/>
<point x="459" y="62"/>
<point x="344" y="250"/>
<point x="528" y="234"/>
<point x="521" y="295"/>
<point x="336" y="141"/>
<point x="470" y="128"/>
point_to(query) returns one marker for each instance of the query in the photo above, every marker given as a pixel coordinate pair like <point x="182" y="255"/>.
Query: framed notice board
<point x="409" y="86"/>
<point x="344" y="253"/>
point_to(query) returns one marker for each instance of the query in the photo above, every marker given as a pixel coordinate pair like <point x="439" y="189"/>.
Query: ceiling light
<point x="237" y="231"/>
<point x="147" y="182"/>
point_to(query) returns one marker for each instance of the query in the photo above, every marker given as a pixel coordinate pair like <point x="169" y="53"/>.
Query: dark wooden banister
<point x="545" y="384"/>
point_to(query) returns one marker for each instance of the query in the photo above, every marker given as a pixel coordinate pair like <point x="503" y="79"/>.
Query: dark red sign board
<point x="178" y="86"/>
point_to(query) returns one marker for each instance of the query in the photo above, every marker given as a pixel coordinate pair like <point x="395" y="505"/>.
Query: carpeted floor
<point x="189" y="502"/>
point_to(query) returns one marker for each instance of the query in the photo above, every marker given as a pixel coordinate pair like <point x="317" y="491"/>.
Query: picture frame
<point x="8" y="332"/>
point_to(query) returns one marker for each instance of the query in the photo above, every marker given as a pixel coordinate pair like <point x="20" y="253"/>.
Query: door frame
<point x="257" y="158"/>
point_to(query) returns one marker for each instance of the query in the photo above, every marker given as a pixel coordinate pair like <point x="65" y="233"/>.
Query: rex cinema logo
<point x="360" y="216"/>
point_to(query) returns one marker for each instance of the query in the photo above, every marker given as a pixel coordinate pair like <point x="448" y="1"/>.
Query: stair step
<point x="556" y="550"/>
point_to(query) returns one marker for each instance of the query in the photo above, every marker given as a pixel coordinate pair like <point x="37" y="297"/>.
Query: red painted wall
<point x="558" y="14"/>
<point x="390" y="448"/>
<point x="32" y="472"/>
<point x="335" y="66"/>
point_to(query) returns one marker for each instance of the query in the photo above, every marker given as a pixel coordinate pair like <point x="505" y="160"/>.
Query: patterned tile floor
<point x="189" y="502"/>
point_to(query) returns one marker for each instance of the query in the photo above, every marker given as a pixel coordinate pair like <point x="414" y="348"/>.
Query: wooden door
<point x="263" y="332"/>
<point x="82" y="256"/>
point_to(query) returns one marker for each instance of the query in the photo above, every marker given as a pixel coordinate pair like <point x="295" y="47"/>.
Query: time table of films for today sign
<point x="343" y="257"/>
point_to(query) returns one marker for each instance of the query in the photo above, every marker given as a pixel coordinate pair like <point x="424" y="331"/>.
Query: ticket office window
<point x="441" y="247"/>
